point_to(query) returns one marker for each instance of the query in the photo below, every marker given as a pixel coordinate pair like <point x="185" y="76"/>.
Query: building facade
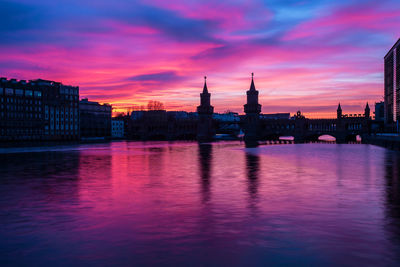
<point x="95" y="119"/>
<point x="392" y="84"/>
<point x="117" y="128"/>
<point x="38" y="110"/>
<point x="379" y="111"/>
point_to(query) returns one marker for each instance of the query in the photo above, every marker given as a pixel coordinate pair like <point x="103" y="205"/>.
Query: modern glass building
<point x="392" y="85"/>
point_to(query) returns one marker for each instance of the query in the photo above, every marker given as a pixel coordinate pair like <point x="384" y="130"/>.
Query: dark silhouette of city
<point x="157" y="124"/>
<point x="42" y="111"/>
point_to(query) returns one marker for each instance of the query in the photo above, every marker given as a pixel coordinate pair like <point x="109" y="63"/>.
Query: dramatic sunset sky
<point x="306" y="55"/>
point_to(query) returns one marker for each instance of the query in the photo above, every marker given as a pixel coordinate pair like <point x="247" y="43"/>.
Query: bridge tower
<point x="340" y="127"/>
<point x="367" y="111"/>
<point x="252" y="109"/>
<point x="205" y="131"/>
<point x="339" y="112"/>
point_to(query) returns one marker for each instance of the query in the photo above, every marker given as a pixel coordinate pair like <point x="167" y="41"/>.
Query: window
<point x="19" y="92"/>
<point x="37" y="93"/>
<point x="28" y="93"/>
<point x="9" y="91"/>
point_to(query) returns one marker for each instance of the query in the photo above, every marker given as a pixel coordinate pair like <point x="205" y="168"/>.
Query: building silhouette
<point x="48" y="110"/>
<point x="95" y="119"/>
<point x="38" y="110"/>
<point x="162" y="125"/>
<point x="392" y="85"/>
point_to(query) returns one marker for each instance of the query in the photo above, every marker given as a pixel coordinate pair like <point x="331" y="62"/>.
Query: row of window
<point x="70" y="97"/>
<point x="69" y="91"/>
<point x="20" y="92"/>
<point x="16" y="115"/>
<point x="32" y="132"/>
<point x="60" y="110"/>
<point x="61" y="126"/>
<point x="20" y="101"/>
<point x="53" y="132"/>
<point x="21" y="131"/>
<point x="20" y="108"/>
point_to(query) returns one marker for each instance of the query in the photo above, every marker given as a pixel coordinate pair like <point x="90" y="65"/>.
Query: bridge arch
<point x="327" y="138"/>
<point x="286" y="138"/>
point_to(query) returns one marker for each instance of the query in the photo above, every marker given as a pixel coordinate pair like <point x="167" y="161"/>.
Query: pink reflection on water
<point x="180" y="202"/>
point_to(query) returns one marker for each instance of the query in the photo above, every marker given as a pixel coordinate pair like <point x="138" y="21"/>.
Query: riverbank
<point x="389" y="141"/>
<point x="30" y="144"/>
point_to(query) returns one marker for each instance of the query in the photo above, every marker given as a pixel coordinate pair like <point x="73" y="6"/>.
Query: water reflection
<point x="159" y="203"/>
<point x="392" y="181"/>
<point x="36" y="190"/>
<point x="253" y="172"/>
<point x="205" y="160"/>
<point x="339" y="164"/>
<point x="52" y="175"/>
<point x="155" y="164"/>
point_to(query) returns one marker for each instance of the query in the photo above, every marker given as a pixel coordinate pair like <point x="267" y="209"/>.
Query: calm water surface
<point x="132" y="203"/>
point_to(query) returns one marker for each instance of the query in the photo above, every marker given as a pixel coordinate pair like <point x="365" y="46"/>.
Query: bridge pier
<point x="251" y="143"/>
<point x="299" y="139"/>
<point x="341" y="139"/>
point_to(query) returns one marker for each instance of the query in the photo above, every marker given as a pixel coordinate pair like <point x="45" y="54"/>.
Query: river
<point x="179" y="203"/>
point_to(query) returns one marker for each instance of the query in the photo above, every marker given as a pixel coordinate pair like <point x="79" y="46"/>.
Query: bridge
<point x="344" y="128"/>
<point x="163" y="125"/>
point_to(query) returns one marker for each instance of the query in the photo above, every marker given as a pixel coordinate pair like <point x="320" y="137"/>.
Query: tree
<point x="155" y="105"/>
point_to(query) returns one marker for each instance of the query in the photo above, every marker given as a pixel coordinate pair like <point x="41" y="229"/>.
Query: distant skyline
<point x="306" y="55"/>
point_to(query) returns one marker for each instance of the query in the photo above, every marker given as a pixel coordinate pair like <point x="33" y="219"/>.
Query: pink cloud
<point x="292" y="72"/>
<point x="353" y="18"/>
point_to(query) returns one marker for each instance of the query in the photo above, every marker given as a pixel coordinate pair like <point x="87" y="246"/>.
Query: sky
<point x="306" y="55"/>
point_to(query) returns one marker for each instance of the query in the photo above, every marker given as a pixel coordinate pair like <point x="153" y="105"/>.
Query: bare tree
<point x="155" y="105"/>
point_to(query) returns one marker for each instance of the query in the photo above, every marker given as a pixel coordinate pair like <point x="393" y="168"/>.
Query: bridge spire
<point x="339" y="112"/>
<point x="252" y="86"/>
<point x="367" y="111"/>
<point x="205" y="89"/>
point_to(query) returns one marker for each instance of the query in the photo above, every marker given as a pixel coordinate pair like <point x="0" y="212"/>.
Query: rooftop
<point x="393" y="47"/>
<point x="86" y="101"/>
<point x="32" y="82"/>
